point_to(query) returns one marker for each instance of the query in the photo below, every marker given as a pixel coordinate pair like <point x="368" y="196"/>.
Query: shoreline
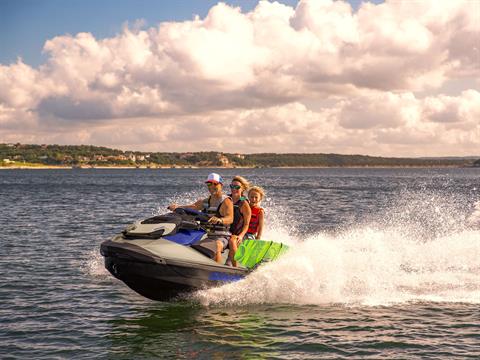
<point x="47" y="167"/>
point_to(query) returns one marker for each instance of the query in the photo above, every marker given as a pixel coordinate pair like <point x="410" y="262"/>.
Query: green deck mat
<point x="251" y="253"/>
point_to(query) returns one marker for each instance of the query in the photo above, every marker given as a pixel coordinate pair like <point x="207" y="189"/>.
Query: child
<point x="255" y="227"/>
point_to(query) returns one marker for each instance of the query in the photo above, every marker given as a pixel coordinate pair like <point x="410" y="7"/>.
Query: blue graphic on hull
<point x="219" y="276"/>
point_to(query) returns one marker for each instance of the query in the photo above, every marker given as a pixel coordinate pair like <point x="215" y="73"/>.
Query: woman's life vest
<point x="254" y="221"/>
<point x="212" y="208"/>
<point x="238" y="221"/>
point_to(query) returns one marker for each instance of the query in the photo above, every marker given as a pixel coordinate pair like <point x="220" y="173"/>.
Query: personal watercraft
<point x="168" y="255"/>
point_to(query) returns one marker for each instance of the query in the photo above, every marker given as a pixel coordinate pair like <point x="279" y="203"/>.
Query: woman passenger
<point x="241" y="216"/>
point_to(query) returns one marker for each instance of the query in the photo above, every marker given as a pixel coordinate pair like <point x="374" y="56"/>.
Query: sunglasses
<point x="211" y="184"/>
<point x="235" y="187"/>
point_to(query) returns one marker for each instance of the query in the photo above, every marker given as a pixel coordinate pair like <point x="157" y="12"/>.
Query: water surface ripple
<point x="387" y="266"/>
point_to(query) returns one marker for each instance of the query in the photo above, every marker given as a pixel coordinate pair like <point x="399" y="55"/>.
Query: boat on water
<point x="166" y="256"/>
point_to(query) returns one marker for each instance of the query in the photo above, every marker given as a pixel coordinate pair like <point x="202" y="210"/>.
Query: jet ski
<point x="168" y="255"/>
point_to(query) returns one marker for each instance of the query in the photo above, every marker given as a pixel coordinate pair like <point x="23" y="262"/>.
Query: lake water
<point x="385" y="263"/>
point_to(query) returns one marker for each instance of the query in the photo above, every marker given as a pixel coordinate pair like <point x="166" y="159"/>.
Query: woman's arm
<point x="260" y="224"/>
<point x="247" y="214"/>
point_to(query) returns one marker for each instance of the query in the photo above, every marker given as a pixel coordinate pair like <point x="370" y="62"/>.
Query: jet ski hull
<point x="162" y="278"/>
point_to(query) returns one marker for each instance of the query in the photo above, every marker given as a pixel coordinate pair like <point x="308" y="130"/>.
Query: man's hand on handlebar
<point x="215" y="220"/>
<point x="172" y="207"/>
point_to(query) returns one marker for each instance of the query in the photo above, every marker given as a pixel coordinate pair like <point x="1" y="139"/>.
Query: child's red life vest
<point x="253" y="226"/>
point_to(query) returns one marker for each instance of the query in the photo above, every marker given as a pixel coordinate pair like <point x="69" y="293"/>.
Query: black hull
<point x="162" y="279"/>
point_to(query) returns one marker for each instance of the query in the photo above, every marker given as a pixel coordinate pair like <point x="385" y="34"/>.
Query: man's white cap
<point x="214" y="178"/>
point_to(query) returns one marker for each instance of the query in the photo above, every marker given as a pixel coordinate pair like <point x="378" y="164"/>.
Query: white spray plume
<point x="422" y="249"/>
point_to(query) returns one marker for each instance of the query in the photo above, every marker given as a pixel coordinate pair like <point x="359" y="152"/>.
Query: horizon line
<point x="273" y="153"/>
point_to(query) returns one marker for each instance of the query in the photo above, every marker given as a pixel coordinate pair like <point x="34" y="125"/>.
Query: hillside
<point x="12" y="155"/>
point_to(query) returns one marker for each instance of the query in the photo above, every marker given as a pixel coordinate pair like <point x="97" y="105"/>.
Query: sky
<point x="394" y="78"/>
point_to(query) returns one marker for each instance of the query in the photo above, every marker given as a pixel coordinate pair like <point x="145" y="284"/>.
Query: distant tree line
<point x="337" y="160"/>
<point x="96" y="155"/>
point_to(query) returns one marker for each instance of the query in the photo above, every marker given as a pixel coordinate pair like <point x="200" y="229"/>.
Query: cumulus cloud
<point x="448" y="109"/>
<point x="212" y="83"/>
<point x="376" y="110"/>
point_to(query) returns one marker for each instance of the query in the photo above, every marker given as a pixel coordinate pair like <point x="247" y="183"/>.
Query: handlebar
<point x="199" y="215"/>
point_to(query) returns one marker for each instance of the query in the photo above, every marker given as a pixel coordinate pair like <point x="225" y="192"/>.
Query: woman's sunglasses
<point x="235" y="187"/>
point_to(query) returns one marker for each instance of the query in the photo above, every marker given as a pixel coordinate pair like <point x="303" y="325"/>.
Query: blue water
<point x="385" y="263"/>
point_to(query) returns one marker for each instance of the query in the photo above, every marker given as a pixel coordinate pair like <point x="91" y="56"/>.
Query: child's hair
<point x="242" y="181"/>
<point x="257" y="189"/>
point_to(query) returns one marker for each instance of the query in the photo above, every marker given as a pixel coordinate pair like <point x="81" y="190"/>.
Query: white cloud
<point x="376" y="110"/>
<point x="458" y="110"/>
<point x="213" y="83"/>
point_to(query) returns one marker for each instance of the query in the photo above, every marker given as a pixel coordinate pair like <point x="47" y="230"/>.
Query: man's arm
<point x="197" y="205"/>
<point x="226" y="211"/>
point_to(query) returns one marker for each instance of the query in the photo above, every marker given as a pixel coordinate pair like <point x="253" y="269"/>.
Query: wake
<point x="424" y="248"/>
